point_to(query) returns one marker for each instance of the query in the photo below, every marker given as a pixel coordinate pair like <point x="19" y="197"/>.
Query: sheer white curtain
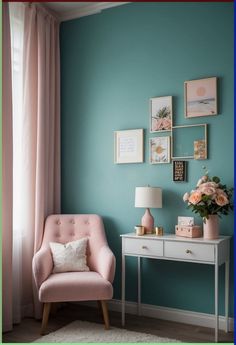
<point x="17" y="11"/>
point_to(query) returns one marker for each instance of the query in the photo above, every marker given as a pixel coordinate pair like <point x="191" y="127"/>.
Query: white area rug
<point x="87" y="332"/>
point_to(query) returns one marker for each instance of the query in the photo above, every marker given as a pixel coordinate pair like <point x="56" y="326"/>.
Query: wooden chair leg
<point x="46" y="312"/>
<point x="105" y="314"/>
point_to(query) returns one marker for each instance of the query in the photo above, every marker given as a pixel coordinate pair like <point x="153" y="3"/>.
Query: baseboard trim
<point x="170" y="314"/>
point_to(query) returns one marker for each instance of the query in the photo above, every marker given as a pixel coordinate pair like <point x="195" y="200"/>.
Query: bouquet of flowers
<point x="210" y="197"/>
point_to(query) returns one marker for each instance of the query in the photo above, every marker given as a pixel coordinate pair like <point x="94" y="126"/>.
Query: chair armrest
<point x="106" y="263"/>
<point x="42" y="265"/>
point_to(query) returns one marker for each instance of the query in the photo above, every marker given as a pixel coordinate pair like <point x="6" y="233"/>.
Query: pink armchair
<point x="75" y="286"/>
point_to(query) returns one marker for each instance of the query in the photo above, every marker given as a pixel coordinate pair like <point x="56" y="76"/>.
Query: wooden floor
<point x="29" y="329"/>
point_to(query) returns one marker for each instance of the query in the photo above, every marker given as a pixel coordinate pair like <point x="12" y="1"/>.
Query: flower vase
<point x="211" y="227"/>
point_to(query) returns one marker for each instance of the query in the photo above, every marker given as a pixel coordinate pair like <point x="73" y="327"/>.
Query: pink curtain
<point x="41" y="107"/>
<point x="7" y="179"/>
<point x="39" y="168"/>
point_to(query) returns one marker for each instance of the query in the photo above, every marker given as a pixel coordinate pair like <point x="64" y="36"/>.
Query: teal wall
<point x="111" y="64"/>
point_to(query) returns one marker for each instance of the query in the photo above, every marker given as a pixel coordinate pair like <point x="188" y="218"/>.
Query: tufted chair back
<point x="65" y="228"/>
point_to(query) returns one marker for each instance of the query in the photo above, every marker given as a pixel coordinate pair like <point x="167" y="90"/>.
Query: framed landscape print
<point x="160" y="114"/>
<point x="160" y="150"/>
<point x="128" y="146"/>
<point x="200" y="97"/>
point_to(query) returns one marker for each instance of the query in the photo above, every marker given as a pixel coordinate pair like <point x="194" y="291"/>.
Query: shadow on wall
<point x="112" y="234"/>
<point x="114" y="242"/>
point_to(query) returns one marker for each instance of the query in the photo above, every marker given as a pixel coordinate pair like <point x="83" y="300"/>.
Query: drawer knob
<point x="144" y="247"/>
<point x="188" y="251"/>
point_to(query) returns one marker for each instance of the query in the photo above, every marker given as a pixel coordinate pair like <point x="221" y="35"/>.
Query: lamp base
<point x="148" y="222"/>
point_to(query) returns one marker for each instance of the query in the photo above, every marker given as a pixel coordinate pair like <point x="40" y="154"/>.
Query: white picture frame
<point x="161" y="113"/>
<point x="185" y="144"/>
<point x="200" y="97"/>
<point x="128" y="146"/>
<point x="159" y="150"/>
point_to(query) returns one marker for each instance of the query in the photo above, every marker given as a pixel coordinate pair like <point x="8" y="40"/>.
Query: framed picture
<point x="200" y="149"/>
<point x="160" y="114"/>
<point x="179" y="171"/>
<point x="128" y="146"/>
<point x="160" y="150"/>
<point x="200" y="97"/>
<point x="187" y="140"/>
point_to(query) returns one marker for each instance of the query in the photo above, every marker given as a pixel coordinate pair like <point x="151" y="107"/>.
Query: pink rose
<point x="209" y="184"/>
<point x="195" y="197"/>
<point x="220" y="191"/>
<point x="208" y="190"/>
<point x="221" y="200"/>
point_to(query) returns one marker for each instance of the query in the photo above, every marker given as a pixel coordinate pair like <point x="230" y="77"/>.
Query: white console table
<point x="171" y="247"/>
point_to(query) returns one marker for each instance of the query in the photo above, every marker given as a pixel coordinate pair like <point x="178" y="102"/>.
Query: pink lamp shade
<point x="148" y="197"/>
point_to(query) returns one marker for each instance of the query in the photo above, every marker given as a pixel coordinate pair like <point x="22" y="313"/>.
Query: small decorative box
<point x="188" y="231"/>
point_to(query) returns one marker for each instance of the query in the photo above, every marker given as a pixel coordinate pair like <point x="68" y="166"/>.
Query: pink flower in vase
<point x="221" y="200"/>
<point x="195" y="198"/>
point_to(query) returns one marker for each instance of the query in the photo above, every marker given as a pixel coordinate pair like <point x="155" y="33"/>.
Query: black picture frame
<point x="179" y="171"/>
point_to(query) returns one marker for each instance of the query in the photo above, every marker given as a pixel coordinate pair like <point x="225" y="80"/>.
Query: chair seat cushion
<point x="75" y="286"/>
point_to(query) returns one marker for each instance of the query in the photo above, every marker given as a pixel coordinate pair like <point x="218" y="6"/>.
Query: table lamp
<point x="148" y="197"/>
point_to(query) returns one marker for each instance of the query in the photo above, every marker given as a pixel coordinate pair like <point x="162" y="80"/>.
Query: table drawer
<point x="189" y="251"/>
<point x="143" y="247"/>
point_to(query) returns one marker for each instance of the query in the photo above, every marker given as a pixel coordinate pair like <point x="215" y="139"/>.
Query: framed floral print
<point x="160" y="114"/>
<point x="160" y="150"/>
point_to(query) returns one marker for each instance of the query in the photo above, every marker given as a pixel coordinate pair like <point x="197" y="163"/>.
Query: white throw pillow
<point x="70" y="256"/>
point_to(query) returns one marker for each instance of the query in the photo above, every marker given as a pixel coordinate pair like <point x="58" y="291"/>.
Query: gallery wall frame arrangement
<point x="161" y="113"/>
<point x="200" y="97"/>
<point x="128" y="146"/>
